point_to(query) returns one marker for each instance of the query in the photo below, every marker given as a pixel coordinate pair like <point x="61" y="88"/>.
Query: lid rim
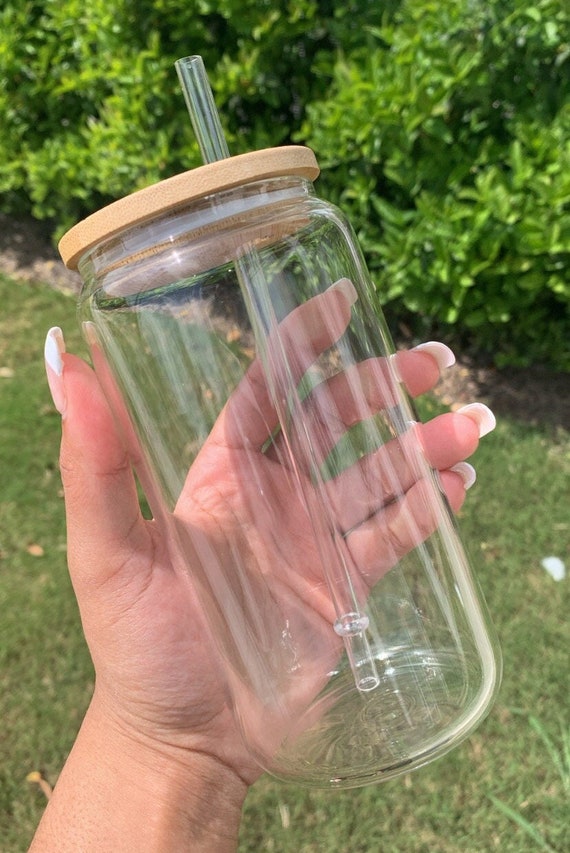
<point x="142" y="205"/>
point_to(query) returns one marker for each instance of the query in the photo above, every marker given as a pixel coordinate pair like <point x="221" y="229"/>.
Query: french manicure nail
<point x="346" y="286"/>
<point x="439" y="352"/>
<point x="466" y="472"/>
<point x="53" y="352"/>
<point x="89" y="331"/>
<point x="482" y="415"/>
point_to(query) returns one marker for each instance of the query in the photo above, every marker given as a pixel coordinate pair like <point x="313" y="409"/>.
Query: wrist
<point x="119" y="792"/>
<point x="191" y="794"/>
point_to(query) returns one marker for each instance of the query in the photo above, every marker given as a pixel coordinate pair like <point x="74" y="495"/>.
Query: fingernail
<point x="53" y="352"/>
<point x="346" y="287"/>
<point x="466" y="472"/>
<point x="89" y="331"/>
<point x="438" y="351"/>
<point x="482" y="415"/>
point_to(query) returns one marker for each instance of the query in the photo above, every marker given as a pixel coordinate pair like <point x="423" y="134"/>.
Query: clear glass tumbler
<point x="230" y="318"/>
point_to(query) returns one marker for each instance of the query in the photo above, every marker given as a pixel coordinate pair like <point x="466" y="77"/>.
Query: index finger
<point x="249" y="417"/>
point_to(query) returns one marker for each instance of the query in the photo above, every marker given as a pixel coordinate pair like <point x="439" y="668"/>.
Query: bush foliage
<point x="448" y="143"/>
<point x="442" y="128"/>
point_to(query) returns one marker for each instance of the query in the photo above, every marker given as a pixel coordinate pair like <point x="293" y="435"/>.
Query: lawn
<point x="505" y="789"/>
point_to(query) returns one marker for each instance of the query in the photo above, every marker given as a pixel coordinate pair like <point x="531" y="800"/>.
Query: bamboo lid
<point x="138" y="207"/>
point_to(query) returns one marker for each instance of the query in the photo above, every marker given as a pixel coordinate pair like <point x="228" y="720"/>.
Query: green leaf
<point x="527" y="827"/>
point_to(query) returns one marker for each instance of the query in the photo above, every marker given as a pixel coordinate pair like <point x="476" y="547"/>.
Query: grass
<point x="505" y="789"/>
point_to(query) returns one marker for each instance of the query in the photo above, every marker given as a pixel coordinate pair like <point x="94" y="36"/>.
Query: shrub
<point x="442" y="130"/>
<point x="90" y="106"/>
<point x="449" y="146"/>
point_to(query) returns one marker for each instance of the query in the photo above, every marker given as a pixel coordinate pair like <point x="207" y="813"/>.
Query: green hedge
<point x="448" y="143"/>
<point x="443" y="130"/>
<point x="90" y="106"/>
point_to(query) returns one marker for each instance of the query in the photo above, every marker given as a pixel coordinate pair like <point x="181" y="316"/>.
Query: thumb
<point x="104" y="522"/>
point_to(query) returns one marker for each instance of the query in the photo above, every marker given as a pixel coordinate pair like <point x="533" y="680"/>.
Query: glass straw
<point x="351" y="624"/>
<point x="203" y="113"/>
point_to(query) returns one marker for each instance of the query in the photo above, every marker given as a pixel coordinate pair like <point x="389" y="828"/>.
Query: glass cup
<point x="230" y="317"/>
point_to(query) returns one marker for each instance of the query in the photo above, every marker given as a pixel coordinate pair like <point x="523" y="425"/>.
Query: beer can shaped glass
<point x="233" y="325"/>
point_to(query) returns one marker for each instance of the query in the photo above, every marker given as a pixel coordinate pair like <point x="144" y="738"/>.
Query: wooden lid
<point x="189" y="186"/>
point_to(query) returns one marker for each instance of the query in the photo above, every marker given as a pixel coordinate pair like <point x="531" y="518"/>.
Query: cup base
<point x="425" y="703"/>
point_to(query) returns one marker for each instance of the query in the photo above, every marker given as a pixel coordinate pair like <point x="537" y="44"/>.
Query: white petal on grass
<point x="555" y="567"/>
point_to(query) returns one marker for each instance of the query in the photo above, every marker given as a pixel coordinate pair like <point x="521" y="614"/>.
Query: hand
<point x="159" y="734"/>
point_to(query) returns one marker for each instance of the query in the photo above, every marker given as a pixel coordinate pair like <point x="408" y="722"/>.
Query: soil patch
<point x="534" y="395"/>
<point x="26" y="254"/>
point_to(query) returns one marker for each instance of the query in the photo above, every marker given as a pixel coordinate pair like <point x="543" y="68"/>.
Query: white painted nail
<point x="346" y="286"/>
<point x="53" y="351"/>
<point x="482" y="415"/>
<point x="466" y="472"/>
<point x="439" y="352"/>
